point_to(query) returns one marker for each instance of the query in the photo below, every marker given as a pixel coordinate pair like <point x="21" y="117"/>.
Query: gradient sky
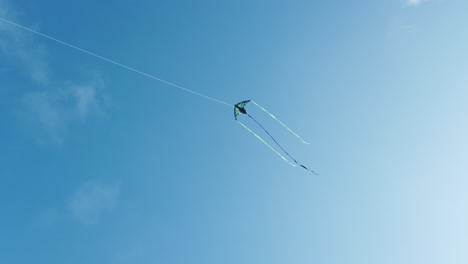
<point x="101" y="165"/>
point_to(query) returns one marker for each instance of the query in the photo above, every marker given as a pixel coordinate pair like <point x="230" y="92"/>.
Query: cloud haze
<point x="415" y="2"/>
<point x="21" y="48"/>
<point x="50" y="113"/>
<point x="93" y="199"/>
<point x="54" y="104"/>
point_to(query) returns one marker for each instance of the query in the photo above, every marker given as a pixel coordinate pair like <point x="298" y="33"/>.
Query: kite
<point x="240" y="109"/>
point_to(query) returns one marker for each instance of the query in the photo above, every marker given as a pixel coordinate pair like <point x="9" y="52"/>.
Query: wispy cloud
<point x="89" y="98"/>
<point x="21" y="48"/>
<point x="45" y="116"/>
<point x="85" y="99"/>
<point x="87" y="204"/>
<point x="55" y="105"/>
<point x="131" y="254"/>
<point x="415" y="2"/>
<point x="93" y="199"/>
<point x="50" y="113"/>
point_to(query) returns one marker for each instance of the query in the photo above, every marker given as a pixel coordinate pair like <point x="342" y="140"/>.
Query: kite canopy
<point x="239" y="108"/>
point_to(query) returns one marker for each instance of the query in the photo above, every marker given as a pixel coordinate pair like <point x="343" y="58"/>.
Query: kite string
<point x="264" y="142"/>
<point x="114" y="62"/>
<point x="279" y="121"/>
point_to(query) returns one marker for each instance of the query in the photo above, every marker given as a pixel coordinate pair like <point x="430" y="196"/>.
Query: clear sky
<point x="99" y="164"/>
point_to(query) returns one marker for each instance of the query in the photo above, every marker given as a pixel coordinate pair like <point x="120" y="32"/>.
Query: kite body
<point x="240" y="109"/>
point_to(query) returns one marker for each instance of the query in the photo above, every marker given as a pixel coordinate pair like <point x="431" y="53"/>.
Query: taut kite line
<point x="239" y="108"/>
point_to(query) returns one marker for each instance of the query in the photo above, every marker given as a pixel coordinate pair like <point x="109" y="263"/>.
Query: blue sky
<point x="99" y="164"/>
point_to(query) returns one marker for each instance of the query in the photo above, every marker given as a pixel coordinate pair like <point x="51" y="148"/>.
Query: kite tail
<point x="279" y="145"/>
<point x="279" y="121"/>
<point x="264" y="142"/>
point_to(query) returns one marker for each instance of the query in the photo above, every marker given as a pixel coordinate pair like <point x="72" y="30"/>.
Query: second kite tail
<point x="279" y="121"/>
<point x="264" y="142"/>
<point x="266" y="131"/>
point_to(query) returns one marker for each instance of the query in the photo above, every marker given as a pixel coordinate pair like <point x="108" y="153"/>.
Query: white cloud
<point x="49" y="114"/>
<point x="55" y="105"/>
<point x="414" y="2"/>
<point x="21" y="48"/>
<point x="89" y="98"/>
<point x="93" y="199"/>
<point x="85" y="99"/>
<point x="45" y="116"/>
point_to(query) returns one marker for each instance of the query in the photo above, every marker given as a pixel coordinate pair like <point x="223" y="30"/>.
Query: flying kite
<point x="239" y="108"/>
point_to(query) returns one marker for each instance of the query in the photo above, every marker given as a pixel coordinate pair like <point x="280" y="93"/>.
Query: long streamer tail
<point x="264" y="142"/>
<point x="279" y="121"/>
<point x="266" y="131"/>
